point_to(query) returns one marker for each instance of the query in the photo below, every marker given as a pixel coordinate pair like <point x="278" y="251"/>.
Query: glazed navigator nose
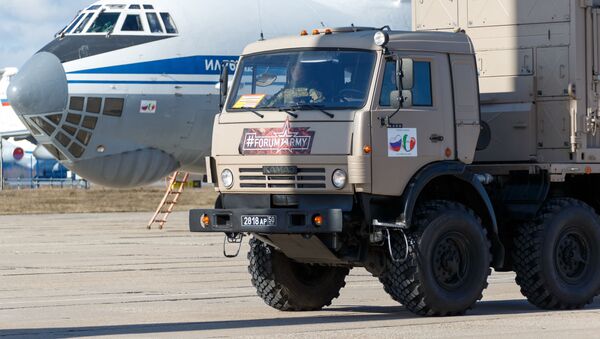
<point x="40" y="86"/>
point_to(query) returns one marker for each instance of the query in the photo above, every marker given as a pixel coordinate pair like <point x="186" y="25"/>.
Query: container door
<point x="593" y="69"/>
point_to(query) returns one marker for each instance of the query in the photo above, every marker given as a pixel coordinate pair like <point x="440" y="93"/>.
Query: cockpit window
<point x="133" y="23"/>
<point x="105" y="22"/>
<point x="148" y="7"/>
<point x="154" y="23"/>
<point x="70" y="28"/>
<point x="169" y="23"/>
<point x="134" y="7"/>
<point x="93" y="8"/>
<point x="83" y="23"/>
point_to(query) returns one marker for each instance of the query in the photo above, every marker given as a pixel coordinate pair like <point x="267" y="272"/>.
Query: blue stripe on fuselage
<point x="196" y="65"/>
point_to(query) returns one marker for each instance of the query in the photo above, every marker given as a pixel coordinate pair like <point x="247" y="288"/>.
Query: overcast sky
<point x="27" y="25"/>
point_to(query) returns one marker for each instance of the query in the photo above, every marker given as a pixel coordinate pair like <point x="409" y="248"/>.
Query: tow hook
<point x="232" y="238"/>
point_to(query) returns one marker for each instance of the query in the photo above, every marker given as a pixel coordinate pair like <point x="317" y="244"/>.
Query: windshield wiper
<point x="260" y="115"/>
<point x="311" y="106"/>
<point x="289" y="110"/>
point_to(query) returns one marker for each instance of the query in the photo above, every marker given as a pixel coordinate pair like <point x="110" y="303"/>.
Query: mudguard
<point x="461" y="172"/>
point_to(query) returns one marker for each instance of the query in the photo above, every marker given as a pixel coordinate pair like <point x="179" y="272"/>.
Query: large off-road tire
<point x="287" y="285"/>
<point x="557" y="256"/>
<point x="448" y="263"/>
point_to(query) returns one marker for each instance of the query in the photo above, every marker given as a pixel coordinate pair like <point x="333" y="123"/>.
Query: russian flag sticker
<point x="402" y="142"/>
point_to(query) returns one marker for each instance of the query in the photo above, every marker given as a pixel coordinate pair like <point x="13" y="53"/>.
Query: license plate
<point x="259" y="220"/>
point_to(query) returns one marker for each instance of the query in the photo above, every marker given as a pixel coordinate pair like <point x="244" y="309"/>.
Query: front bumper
<point x="289" y="221"/>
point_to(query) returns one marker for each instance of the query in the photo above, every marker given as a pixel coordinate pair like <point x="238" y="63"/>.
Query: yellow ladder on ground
<point x="176" y="184"/>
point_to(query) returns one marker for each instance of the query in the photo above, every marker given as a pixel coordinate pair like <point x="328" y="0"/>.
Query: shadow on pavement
<point x="482" y="308"/>
<point x="363" y="314"/>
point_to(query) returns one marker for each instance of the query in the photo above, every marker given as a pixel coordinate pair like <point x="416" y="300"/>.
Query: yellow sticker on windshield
<point x="249" y="101"/>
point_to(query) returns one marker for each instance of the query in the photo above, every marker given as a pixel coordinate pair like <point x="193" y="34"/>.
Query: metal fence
<point x="34" y="183"/>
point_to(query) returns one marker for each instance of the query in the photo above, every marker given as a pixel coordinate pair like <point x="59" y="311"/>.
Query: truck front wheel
<point x="287" y="285"/>
<point x="557" y="256"/>
<point x="448" y="263"/>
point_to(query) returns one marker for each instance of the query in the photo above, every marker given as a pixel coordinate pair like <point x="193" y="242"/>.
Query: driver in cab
<point x="303" y="87"/>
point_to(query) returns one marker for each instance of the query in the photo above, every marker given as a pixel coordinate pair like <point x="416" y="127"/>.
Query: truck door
<point x="416" y="136"/>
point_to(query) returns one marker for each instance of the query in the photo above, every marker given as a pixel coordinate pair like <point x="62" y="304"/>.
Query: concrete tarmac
<point x="106" y="275"/>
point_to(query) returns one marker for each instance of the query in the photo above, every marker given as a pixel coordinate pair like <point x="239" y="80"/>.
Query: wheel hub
<point x="451" y="261"/>
<point x="571" y="256"/>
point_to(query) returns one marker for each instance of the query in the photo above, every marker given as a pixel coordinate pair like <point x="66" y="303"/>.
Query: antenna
<point x="316" y="13"/>
<point x="262" y="34"/>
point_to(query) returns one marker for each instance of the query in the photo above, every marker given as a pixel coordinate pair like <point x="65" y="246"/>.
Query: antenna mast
<point x="260" y="27"/>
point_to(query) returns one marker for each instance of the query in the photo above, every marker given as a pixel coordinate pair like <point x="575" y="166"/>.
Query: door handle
<point x="436" y="138"/>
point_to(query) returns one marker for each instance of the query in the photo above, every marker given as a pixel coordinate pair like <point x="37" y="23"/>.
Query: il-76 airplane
<point x="127" y="92"/>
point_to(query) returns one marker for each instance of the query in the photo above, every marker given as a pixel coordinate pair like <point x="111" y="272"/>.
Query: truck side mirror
<point x="401" y="101"/>
<point x="405" y="73"/>
<point x="223" y="84"/>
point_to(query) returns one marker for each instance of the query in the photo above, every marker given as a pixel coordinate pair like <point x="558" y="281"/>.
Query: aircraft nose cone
<point x="40" y="86"/>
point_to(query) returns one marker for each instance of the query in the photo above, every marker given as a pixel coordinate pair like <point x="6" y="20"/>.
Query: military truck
<point x="427" y="158"/>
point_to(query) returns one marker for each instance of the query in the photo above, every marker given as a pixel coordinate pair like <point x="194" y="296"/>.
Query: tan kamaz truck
<point x="427" y="158"/>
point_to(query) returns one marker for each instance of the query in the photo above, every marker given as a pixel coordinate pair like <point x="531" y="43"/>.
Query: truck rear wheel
<point x="557" y="258"/>
<point x="287" y="285"/>
<point x="446" y="272"/>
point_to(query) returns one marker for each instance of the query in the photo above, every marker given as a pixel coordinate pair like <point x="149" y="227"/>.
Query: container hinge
<point x="591" y="123"/>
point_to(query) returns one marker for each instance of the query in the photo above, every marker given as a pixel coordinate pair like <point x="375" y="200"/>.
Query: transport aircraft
<point x="20" y="155"/>
<point x="21" y="160"/>
<point x="127" y="92"/>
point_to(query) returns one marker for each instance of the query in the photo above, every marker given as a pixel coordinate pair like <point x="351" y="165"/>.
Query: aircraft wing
<point x="22" y="134"/>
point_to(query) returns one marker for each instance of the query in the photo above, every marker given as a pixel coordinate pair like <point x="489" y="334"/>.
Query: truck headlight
<point x="227" y="178"/>
<point x="339" y="179"/>
<point x="381" y="38"/>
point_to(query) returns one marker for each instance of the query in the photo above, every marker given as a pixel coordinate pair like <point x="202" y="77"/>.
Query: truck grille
<point x="303" y="178"/>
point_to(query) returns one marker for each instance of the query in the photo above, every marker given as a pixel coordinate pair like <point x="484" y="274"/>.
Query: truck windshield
<point x="303" y="80"/>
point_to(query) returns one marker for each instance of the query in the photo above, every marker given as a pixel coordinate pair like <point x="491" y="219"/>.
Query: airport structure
<point x="425" y="157"/>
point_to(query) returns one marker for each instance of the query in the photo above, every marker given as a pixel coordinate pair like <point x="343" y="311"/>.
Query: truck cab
<point x="313" y="115"/>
